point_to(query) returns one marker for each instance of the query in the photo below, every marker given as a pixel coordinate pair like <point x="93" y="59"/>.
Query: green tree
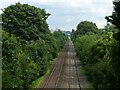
<point x="28" y="45"/>
<point x="115" y="18"/>
<point x="60" y="37"/>
<point x="86" y="26"/>
<point x="11" y="62"/>
<point x="38" y="53"/>
<point x="25" y="21"/>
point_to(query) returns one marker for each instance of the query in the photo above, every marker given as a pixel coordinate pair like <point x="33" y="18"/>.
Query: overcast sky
<point x="66" y="14"/>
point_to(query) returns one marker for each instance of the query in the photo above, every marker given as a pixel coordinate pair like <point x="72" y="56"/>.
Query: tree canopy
<point x="25" y="21"/>
<point x="86" y="26"/>
<point x="115" y="18"/>
<point x="28" y="45"/>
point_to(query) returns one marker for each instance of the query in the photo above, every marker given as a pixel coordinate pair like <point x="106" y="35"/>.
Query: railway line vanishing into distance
<point x="65" y="72"/>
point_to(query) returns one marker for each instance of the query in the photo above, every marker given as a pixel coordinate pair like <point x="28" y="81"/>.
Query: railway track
<point x="65" y="73"/>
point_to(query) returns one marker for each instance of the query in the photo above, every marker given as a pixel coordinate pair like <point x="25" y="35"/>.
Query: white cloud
<point x="116" y="0"/>
<point x="70" y="19"/>
<point x="66" y="14"/>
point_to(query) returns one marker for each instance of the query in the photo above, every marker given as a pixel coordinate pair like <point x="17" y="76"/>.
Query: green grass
<point x="83" y="72"/>
<point x="38" y="82"/>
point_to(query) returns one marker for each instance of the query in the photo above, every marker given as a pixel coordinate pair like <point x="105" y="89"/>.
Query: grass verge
<point x="88" y="84"/>
<point x="38" y="82"/>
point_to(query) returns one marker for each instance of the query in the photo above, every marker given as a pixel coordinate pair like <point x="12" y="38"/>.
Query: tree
<point x="12" y="55"/>
<point x="22" y="63"/>
<point x="25" y="21"/>
<point x="60" y="37"/>
<point x="86" y="26"/>
<point x="115" y="18"/>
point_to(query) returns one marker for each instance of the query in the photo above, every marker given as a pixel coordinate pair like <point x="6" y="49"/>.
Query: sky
<point x="67" y="14"/>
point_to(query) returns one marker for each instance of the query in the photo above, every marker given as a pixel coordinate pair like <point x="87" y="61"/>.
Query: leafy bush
<point x="52" y="44"/>
<point x="84" y="47"/>
<point x="95" y="53"/>
<point x="37" y="51"/>
<point x="99" y="55"/>
<point x="11" y="62"/>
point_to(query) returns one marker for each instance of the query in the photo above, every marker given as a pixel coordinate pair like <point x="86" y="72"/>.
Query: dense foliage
<point x="25" y="21"/>
<point x="28" y="45"/>
<point x="60" y="37"/>
<point x="97" y="54"/>
<point x="85" y="27"/>
<point x="115" y="20"/>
